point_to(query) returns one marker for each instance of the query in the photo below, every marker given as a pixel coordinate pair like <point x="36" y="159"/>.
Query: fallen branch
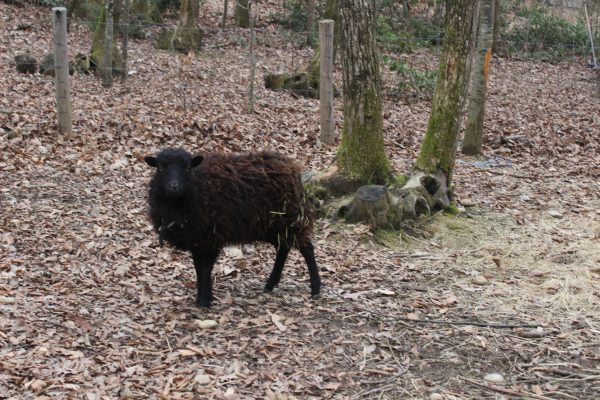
<point x="531" y="177"/>
<point x="510" y="392"/>
<point x="439" y="322"/>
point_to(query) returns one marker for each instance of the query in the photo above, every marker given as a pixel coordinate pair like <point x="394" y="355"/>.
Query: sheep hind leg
<point x="308" y="252"/>
<point x="203" y="263"/>
<point x="275" y="277"/>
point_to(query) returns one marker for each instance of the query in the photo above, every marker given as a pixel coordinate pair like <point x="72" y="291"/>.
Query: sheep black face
<point x="174" y="167"/>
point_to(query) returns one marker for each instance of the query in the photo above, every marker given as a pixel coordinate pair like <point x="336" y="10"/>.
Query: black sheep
<point x="205" y="202"/>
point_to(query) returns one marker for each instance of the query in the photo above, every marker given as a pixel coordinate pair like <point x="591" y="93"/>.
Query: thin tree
<point x="361" y="153"/>
<point x="473" y="138"/>
<point x="496" y="31"/>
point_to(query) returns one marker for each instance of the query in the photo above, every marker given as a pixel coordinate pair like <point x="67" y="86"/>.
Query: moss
<point x="298" y="83"/>
<point x="452" y="209"/>
<point x="389" y="237"/>
<point x="361" y="153"/>
<point x="400" y="180"/>
<point x="97" y="53"/>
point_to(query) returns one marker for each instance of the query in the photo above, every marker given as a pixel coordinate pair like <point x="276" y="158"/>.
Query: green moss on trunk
<point x="438" y="151"/>
<point x="97" y="53"/>
<point x="361" y="153"/>
<point x="187" y="36"/>
<point x="241" y="15"/>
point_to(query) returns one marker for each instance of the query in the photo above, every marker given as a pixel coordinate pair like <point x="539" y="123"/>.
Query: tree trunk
<point x="496" y="26"/>
<point x="361" y="153"/>
<point x="306" y="83"/>
<point x="438" y="151"/>
<point x="187" y="36"/>
<point x="242" y="18"/>
<point x="97" y="53"/>
<point x="474" y="129"/>
<point x="428" y="186"/>
<point x="310" y="22"/>
<point x="224" y="21"/>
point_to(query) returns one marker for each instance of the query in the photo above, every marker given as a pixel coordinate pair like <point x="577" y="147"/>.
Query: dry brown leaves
<point x="92" y="307"/>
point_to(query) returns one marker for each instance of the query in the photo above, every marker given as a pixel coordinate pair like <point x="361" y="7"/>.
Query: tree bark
<point x="428" y="187"/>
<point x="496" y="26"/>
<point x="310" y="22"/>
<point x="98" y="43"/>
<point x="187" y="36"/>
<point x="473" y="138"/>
<point x="242" y="18"/>
<point x="361" y="153"/>
<point x="438" y="151"/>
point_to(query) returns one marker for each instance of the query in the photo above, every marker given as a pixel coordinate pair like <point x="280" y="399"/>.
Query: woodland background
<point x="93" y="308"/>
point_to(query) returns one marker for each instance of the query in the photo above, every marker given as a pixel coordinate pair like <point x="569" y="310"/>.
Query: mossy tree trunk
<point x="429" y="186"/>
<point x="473" y="138"/>
<point x="306" y="83"/>
<point x="361" y="153"/>
<point x="98" y="42"/>
<point x="187" y="36"/>
<point x="241" y="15"/>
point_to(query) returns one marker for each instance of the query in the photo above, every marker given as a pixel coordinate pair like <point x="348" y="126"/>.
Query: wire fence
<point x="294" y="62"/>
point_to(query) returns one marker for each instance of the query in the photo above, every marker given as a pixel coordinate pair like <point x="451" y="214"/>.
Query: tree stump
<point x="26" y="64"/>
<point x="374" y="205"/>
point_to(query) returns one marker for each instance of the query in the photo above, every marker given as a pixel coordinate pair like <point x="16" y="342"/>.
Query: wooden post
<point x="252" y="60"/>
<point x="125" y="33"/>
<point x="108" y="46"/>
<point x="326" y="81"/>
<point x="61" y="74"/>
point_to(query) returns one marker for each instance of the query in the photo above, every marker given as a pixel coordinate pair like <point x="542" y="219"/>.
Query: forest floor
<point x="93" y="308"/>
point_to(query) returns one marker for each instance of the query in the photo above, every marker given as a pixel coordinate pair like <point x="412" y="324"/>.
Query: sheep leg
<point x="308" y="252"/>
<point x="203" y="263"/>
<point x="275" y="277"/>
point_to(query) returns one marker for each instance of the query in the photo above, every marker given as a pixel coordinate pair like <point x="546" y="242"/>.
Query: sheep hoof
<point x="267" y="289"/>
<point x="315" y="295"/>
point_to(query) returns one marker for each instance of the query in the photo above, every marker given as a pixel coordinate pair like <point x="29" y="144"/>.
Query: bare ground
<point x="93" y="308"/>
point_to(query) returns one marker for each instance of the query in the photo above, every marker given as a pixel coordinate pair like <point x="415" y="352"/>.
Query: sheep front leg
<point x="203" y="263"/>
<point x="308" y="252"/>
<point x="275" y="277"/>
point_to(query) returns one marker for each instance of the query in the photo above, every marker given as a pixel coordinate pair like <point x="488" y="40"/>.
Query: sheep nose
<point x="174" y="188"/>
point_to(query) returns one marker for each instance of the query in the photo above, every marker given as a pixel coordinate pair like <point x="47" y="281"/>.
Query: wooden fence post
<point x="61" y="71"/>
<point x="326" y="81"/>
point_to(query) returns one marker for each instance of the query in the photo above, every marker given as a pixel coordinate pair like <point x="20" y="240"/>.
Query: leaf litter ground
<point x="93" y="308"/>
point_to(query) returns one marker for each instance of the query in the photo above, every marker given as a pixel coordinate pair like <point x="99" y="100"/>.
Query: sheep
<point x="203" y="203"/>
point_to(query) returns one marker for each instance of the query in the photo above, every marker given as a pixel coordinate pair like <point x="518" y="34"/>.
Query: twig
<point x="576" y="376"/>
<point x="362" y="395"/>
<point x="506" y="391"/>
<point x="532" y="177"/>
<point x="439" y="322"/>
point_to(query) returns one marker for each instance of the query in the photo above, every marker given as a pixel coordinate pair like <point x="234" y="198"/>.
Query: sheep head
<point x="173" y="171"/>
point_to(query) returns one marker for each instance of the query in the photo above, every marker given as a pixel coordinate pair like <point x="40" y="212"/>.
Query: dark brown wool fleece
<point x="236" y="198"/>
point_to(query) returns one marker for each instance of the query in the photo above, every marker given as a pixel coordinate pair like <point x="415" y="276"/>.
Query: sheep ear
<point x="197" y="160"/>
<point x="151" y="161"/>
